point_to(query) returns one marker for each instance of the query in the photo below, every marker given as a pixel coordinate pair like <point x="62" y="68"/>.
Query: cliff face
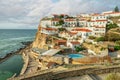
<point x="40" y="40"/>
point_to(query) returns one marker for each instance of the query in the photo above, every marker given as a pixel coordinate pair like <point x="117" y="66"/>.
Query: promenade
<point x="31" y="62"/>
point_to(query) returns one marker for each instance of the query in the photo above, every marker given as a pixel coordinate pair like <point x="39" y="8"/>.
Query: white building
<point x="97" y="23"/>
<point x="45" y="22"/>
<point x="111" y="14"/>
<point x="82" y="23"/>
<point x="98" y="31"/>
<point x="63" y="34"/>
<point x="49" y="31"/>
<point x="70" y="22"/>
<point x="55" y="21"/>
<point x="73" y="44"/>
<point x="98" y="17"/>
<point x="83" y="15"/>
<point x="83" y="32"/>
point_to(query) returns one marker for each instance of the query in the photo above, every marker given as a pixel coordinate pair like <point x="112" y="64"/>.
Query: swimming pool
<point x="75" y="56"/>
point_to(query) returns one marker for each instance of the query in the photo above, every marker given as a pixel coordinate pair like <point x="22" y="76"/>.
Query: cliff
<point x="40" y="40"/>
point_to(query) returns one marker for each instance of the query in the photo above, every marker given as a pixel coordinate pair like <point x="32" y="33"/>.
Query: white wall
<point x="44" y="23"/>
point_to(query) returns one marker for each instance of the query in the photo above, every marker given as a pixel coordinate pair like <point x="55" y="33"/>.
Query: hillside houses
<point x="70" y="22"/>
<point x="95" y="23"/>
<point x="111" y="14"/>
<point x="49" y="31"/>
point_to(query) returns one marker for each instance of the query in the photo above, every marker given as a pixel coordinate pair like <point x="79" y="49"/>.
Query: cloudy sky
<point x="26" y="14"/>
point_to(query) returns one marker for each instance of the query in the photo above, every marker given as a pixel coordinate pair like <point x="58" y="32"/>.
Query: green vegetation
<point x="117" y="42"/>
<point x="111" y="36"/>
<point x="61" y="22"/>
<point x="62" y="29"/>
<point x="117" y="47"/>
<point x="100" y="39"/>
<point x="92" y="37"/>
<point x="61" y="16"/>
<point x="113" y="76"/>
<point x="78" y="48"/>
<point x="102" y="48"/>
<point x="111" y="25"/>
<point x="116" y="9"/>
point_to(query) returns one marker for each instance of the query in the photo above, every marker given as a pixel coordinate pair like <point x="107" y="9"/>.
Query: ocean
<point x="10" y="40"/>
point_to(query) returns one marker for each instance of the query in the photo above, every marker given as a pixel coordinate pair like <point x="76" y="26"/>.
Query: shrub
<point x="113" y="76"/>
<point x="111" y="25"/>
<point x="117" y="42"/>
<point x="78" y="48"/>
<point x="102" y="48"/>
<point x="117" y="47"/>
<point x="112" y="36"/>
<point x="100" y="39"/>
<point x="92" y="37"/>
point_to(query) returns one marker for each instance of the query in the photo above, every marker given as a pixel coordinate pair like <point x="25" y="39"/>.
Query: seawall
<point x="26" y="60"/>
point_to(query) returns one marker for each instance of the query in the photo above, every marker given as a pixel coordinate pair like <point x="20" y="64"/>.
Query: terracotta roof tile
<point x="50" y="29"/>
<point x="75" y="42"/>
<point x="70" y="20"/>
<point x="60" y="41"/>
<point x="113" y="13"/>
<point x="73" y="33"/>
<point x="81" y="29"/>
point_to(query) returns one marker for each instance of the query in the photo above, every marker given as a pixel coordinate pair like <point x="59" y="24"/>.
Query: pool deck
<point x="51" y="52"/>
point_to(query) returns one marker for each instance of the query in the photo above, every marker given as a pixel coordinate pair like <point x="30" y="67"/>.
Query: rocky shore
<point x="18" y="51"/>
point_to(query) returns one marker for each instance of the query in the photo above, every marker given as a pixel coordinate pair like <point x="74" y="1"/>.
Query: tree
<point x="116" y="9"/>
<point x="111" y="25"/>
<point x="61" y="16"/>
<point x="78" y="48"/>
<point x="61" y="22"/>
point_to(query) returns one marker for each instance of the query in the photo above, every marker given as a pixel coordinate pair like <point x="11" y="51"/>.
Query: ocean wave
<point x="12" y="44"/>
<point x="19" y="38"/>
<point x="9" y="48"/>
<point x="8" y="45"/>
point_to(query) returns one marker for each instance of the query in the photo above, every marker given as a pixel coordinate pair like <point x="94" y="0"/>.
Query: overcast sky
<point x="26" y="14"/>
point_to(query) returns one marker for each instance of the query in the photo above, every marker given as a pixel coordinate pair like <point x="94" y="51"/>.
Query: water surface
<point x="10" y="40"/>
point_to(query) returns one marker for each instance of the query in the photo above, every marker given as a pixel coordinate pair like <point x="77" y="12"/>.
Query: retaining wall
<point x="50" y="75"/>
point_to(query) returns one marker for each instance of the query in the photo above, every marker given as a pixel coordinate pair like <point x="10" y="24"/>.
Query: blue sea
<point x="10" y="40"/>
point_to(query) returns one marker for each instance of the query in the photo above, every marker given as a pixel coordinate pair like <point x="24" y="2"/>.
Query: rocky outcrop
<point x="40" y="40"/>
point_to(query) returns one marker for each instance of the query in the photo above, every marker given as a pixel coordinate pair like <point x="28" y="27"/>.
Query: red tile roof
<point x="60" y="41"/>
<point x="98" y="21"/>
<point x="56" y="19"/>
<point x="50" y="29"/>
<point x="81" y="29"/>
<point x="70" y="20"/>
<point x="75" y="42"/>
<point x="101" y="20"/>
<point x="95" y="14"/>
<point x="73" y="33"/>
<point x="113" y="13"/>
